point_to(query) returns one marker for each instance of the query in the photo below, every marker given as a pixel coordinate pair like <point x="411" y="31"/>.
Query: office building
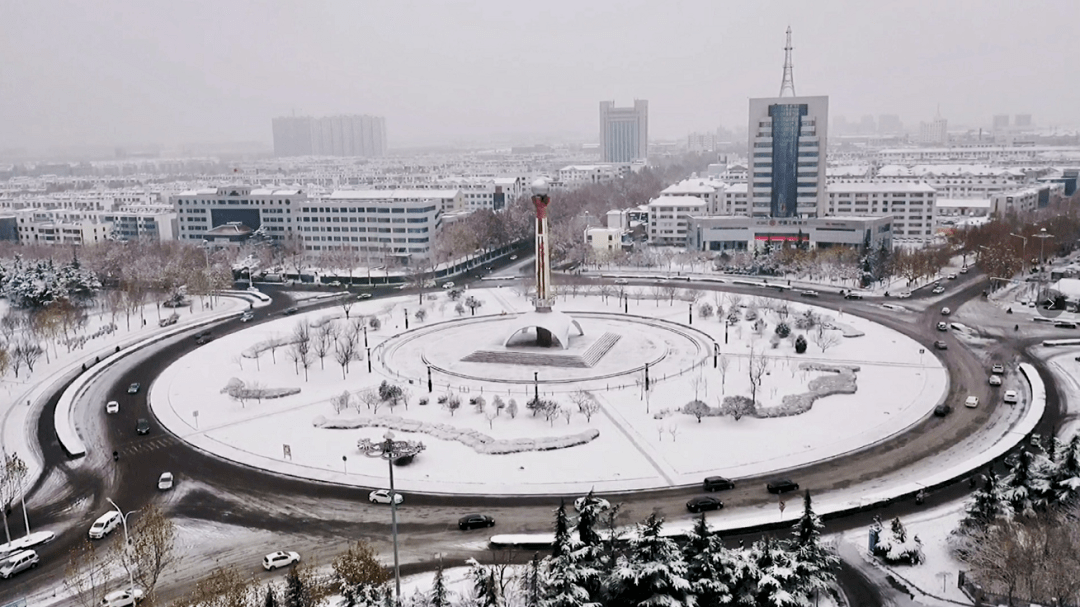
<point x="201" y="210"/>
<point x="912" y="206"/>
<point x="721" y="233"/>
<point x="353" y="135"/>
<point x="624" y="131"/>
<point x="669" y="217"/>
<point x="1001" y="122"/>
<point x="935" y="132"/>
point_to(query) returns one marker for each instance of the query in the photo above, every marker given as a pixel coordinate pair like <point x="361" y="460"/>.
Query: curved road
<point x="312" y="515"/>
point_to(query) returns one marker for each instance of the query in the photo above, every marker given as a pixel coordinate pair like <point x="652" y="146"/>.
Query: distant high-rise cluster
<point x="624" y="131"/>
<point x="352" y="135"/>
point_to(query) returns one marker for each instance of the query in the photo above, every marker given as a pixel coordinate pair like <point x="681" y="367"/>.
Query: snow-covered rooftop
<point x="676" y="201"/>
<point x="863" y="186"/>
<point x="958" y="203"/>
<point x="390" y="194"/>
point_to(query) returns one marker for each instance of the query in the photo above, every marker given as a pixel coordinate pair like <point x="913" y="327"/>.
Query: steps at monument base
<point x="536" y="359"/>
<point x="600" y="348"/>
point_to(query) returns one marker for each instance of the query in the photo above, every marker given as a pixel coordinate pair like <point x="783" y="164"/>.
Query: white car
<point x="448" y="285"/>
<point x="165" y="481"/>
<point x="122" y="598"/>
<point x="1011" y="397"/>
<point x="971" y="402"/>
<point x="945" y="311"/>
<point x="382" y="496"/>
<point x="995" y="380"/>
<point x="105" y="525"/>
<point x="621" y="281"/>
<point x="364" y="296"/>
<point x="513" y="257"/>
<point x="904" y="294"/>
<point x="600" y="502"/>
<point x="112" y="407"/>
<point x="938" y="290"/>
<point x="279" y="559"/>
<point x="998" y="369"/>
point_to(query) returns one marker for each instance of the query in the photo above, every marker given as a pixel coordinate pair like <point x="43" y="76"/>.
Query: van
<point x="104" y="525"/>
<point x="18" y="562"/>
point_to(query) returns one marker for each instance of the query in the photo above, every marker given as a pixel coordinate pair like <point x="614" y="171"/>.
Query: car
<point x="364" y="296"/>
<point x="938" y="290"/>
<point x="998" y="369"/>
<point x="716" y="483"/>
<point x="782" y="485"/>
<point x="247" y="316"/>
<point x="971" y="402"/>
<point x="18" y="562"/>
<point x="1011" y="397"/>
<point x="104" y="525"/>
<point x="621" y="281"/>
<point x="448" y="285"/>
<point x="402" y="287"/>
<point x="942" y="410"/>
<point x="202" y="334"/>
<point x="382" y="496"/>
<point x="808" y="293"/>
<point x="995" y="380"/>
<point x="904" y="294"/>
<point x="946" y="311"/>
<point x="964" y="270"/>
<point x="513" y="258"/>
<point x="334" y="283"/>
<point x="940" y="345"/>
<point x="142" y="426"/>
<point x="165" y="481"/>
<point x="942" y="326"/>
<point x="123" y="598"/>
<point x="852" y="295"/>
<point x="475" y="521"/>
<point x="703" y="503"/>
<point x="290" y="311"/>
<point x="205" y="339"/>
<point x="112" y="407"/>
<point x="599" y="502"/>
<point x="279" y="559"/>
<point x="951" y="276"/>
<point x="134" y="388"/>
<point x="429" y="284"/>
<point x="1064" y="324"/>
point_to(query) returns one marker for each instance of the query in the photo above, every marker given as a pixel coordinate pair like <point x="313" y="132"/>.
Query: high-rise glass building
<point x="624" y="131"/>
<point x="787" y="145"/>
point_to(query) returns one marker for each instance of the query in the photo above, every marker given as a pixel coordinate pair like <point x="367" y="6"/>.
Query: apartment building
<point x="71" y="232"/>
<point x="669" y="217"/>
<point x="912" y="206"/>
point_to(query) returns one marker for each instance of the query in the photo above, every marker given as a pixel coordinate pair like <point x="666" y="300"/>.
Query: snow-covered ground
<point x="642" y="442"/>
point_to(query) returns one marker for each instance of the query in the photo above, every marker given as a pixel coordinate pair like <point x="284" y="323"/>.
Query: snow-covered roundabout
<point x="730" y="395"/>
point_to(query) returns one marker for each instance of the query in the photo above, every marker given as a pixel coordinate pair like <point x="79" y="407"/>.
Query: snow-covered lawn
<point x="643" y="441"/>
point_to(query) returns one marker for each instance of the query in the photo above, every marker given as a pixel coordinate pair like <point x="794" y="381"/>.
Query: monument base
<point x="543" y="337"/>
<point x="551" y="328"/>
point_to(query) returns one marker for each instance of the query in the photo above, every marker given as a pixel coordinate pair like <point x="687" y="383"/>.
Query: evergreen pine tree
<point x="484" y="587"/>
<point x="532" y="582"/>
<point x="1065" y="484"/>
<point x="986" y="506"/>
<point x="570" y="573"/>
<point x="296" y="594"/>
<point x="588" y="518"/>
<point x="439" y="596"/>
<point x="710" y="578"/>
<point x="776" y="584"/>
<point x="271" y="598"/>
<point x="652" y="573"/>
<point x="814" y="563"/>
<point x="562" y="531"/>
<point x="1018" y="490"/>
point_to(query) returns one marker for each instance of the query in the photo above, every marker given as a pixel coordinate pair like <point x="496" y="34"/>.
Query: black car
<point x="942" y="410"/>
<point x="782" y="485"/>
<point x="940" y="345"/>
<point x="290" y="311"/>
<point x="705" y="502"/>
<point x="716" y="483"/>
<point x="142" y="426"/>
<point x="134" y="388"/>
<point x="202" y="334"/>
<point x="475" y="521"/>
<point x="205" y="339"/>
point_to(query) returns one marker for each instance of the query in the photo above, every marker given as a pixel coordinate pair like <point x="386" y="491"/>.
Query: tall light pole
<point x="1023" y="255"/>
<point x="127" y="544"/>
<point x="392" y="450"/>
<point x="1042" y="236"/>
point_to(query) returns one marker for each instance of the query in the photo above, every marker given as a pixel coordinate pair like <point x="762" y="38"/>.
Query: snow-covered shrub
<point x="423" y="400"/>
<point x="698" y="409"/>
<point x="800" y="344"/>
<point x="807" y="321"/>
<point x="737" y="407"/>
<point x="662" y="413"/>
<point x="783" y="330"/>
<point x="442" y="399"/>
<point x="895" y="546"/>
<point x="374" y="323"/>
<point x="705" y="310"/>
<point x="774" y="341"/>
<point x="237" y="389"/>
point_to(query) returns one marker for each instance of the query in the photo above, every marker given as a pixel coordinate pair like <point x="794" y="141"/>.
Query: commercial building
<point x="201" y="210"/>
<point x="788" y="141"/>
<point x="349" y="135"/>
<point x="935" y="132"/>
<point x="142" y="224"/>
<point x="624" y="131"/>
<point x="912" y="206"/>
<point x="669" y="217"/>
<point x="750" y="233"/>
<point x="48" y="232"/>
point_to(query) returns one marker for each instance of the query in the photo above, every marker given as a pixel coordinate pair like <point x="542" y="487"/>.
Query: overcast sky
<point x="121" y="72"/>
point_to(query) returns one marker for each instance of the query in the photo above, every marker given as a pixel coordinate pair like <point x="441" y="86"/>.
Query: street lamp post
<point x="429" y="379"/>
<point x="536" y="386"/>
<point x="392" y="450"/>
<point x="127" y="544"/>
<point x="1023" y="254"/>
<point x="406" y="319"/>
<point x="1042" y="236"/>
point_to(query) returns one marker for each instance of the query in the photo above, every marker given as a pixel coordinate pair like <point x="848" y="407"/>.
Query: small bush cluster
<point x="895" y="546"/>
<point x="800" y="345"/>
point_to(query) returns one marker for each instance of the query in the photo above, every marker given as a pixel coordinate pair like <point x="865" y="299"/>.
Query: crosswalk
<point x="147" y="446"/>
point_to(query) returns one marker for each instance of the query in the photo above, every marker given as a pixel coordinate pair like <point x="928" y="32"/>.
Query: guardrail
<point x="826" y="510"/>
<point x="63" y="415"/>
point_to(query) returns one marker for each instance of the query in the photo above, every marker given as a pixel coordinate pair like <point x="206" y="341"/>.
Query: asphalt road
<point x="327" y="514"/>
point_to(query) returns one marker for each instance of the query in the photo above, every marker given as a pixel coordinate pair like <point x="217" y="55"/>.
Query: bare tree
<point x="490" y="412"/>
<point x="347" y="301"/>
<point x="586" y="403"/>
<point x="697" y="408"/>
<point x="825" y="339"/>
<point x="359" y="568"/>
<point x="345" y="351"/>
<point x="341" y="402"/>
<point x="12" y="474"/>
<point x="722" y="364"/>
<point x="566" y="412"/>
<point x="697" y="382"/>
<point x="87" y="573"/>
<point x="152" y="549"/>
<point x="669" y="293"/>
<point x="225" y="587"/>
<point x="300" y="349"/>
<point x="756" y="367"/>
<point x="370" y="398"/>
<point x="29" y="352"/>
<point x="274" y="343"/>
<point x="324" y="339"/>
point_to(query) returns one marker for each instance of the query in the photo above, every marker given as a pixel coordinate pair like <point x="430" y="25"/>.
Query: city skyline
<point x="134" y="73"/>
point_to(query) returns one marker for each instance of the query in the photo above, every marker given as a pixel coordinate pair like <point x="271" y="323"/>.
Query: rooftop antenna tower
<point x="788" y="85"/>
